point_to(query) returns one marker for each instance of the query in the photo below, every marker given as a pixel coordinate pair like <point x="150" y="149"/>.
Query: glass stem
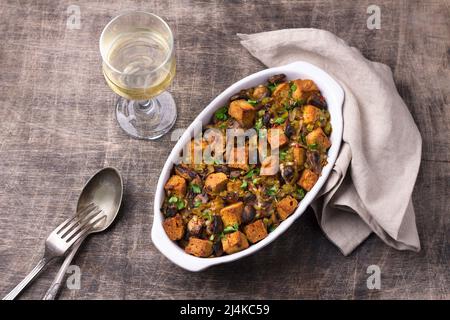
<point x="149" y="107"/>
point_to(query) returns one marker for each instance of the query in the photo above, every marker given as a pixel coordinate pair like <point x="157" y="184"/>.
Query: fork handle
<point x="30" y="277"/>
<point x="56" y="284"/>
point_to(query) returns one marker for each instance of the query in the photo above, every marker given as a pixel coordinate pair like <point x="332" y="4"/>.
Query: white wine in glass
<point x="139" y="65"/>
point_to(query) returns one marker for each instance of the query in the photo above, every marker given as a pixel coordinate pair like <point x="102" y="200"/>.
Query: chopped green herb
<point x="207" y="214"/>
<point x="272" y="191"/>
<point x="244" y="184"/>
<point x="252" y="172"/>
<point x="211" y="238"/>
<point x="279" y="120"/>
<point x="258" y="124"/>
<point x="272" y="227"/>
<point x="173" y="199"/>
<point x="283" y="154"/>
<point x="272" y="87"/>
<point x="197" y="203"/>
<point x="252" y="102"/>
<point x="293" y="87"/>
<point x="222" y="114"/>
<point x="303" y="138"/>
<point x="223" y="125"/>
<point x="301" y="193"/>
<point x="180" y="204"/>
<point x="255" y="181"/>
<point x="195" y="188"/>
<point x="230" y="229"/>
<point x="312" y="146"/>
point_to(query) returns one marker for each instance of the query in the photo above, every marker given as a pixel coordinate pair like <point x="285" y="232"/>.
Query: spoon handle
<point x="30" y="277"/>
<point x="57" y="281"/>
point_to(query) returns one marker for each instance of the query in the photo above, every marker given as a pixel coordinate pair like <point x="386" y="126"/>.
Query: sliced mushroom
<point x="185" y="172"/>
<point x="217" y="224"/>
<point x="313" y="161"/>
<point x="248" y="214"/>
<point x="288" y="172"/>
<point x="266" y="119"/>
<point x="232" y="197"/>
<point x="317" y="100"/>
<point x="243" y="94"/>
<point x="289" y="130"/>
<point x="218" y="249"/>
<point x="277" y="78"/>
<point x="202" y="197"/>
<point x="195" y="226"/>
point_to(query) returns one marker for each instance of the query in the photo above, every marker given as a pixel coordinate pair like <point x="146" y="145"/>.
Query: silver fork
<point x="60" y="241"/>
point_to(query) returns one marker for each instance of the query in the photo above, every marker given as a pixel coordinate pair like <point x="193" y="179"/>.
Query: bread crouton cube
<point x="299" y="154"/>
<point x="319" y="139"/>
<point x="174" y="227"/>
<point x="234" y="242"/>
<point x="303" y="89"/>
<point x="308" y="179"/>
<point x="255" y="231"/>
<point x="311" y="114"/>
<point x="270" y="166"/>
<point x="232" y="214"/>
<point x="194" y="151"/>
<point x="216" y="182"/>
<point x="234" y="185"/>
<point x="243" y="112"/>
<point x="281" y="91"/>
<point x="176" y="185"/>
<point x="238" y="158"/>
<point x="199" y="247"/>
<point x="286" y="206"/>
<point x="276" y="137"/>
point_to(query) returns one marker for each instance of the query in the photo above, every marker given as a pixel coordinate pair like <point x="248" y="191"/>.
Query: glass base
<point x="149" y="119"/>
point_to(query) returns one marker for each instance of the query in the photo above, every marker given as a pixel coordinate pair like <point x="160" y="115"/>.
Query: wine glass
<point x="137" y="49"/>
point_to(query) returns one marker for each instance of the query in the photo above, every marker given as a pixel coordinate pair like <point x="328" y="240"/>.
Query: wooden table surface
<point x="57" y="127"/>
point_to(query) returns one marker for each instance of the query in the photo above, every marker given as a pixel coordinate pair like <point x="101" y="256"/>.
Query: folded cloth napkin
<point x="369" y="189"/>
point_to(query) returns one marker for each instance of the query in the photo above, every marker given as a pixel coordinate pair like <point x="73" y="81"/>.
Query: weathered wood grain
<point x="57" y="127"/>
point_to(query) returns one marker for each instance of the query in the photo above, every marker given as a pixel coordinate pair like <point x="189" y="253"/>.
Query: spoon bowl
<point x="105" y="190"/>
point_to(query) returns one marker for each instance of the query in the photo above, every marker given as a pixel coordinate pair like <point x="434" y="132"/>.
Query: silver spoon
<point x="104" y="190"/>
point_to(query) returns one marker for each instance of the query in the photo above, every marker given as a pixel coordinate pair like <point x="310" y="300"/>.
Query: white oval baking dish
<point x="334" y="96"/>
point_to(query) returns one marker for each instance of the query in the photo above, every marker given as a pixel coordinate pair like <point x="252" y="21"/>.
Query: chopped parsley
<point x="195" y="188"/>
<point x="252" y="102"/>
<point x="258" y="124"/>
<point x="178" y="202"/>
<point x="230" y="229"/>
<point x="279" y="120"/>
<point x="313" y="146"/>
<point x="283" y="154"/>
<point x="197" y="203"/>
<point x="252" y="172"/>
<point x="272" y="191"/>
<point x="221" y="114"/>
<point x="293" y="87"/>
<point x="244" y="184"/>
<point x="272" y="87"/>
<point x="173" y="199"/>
<point x="301" y="193"/>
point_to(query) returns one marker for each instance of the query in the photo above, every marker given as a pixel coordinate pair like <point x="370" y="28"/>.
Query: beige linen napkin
<point x="369" y="189"/>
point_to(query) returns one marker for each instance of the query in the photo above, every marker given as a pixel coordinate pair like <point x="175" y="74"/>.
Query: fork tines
<point x="71" y="227"/>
